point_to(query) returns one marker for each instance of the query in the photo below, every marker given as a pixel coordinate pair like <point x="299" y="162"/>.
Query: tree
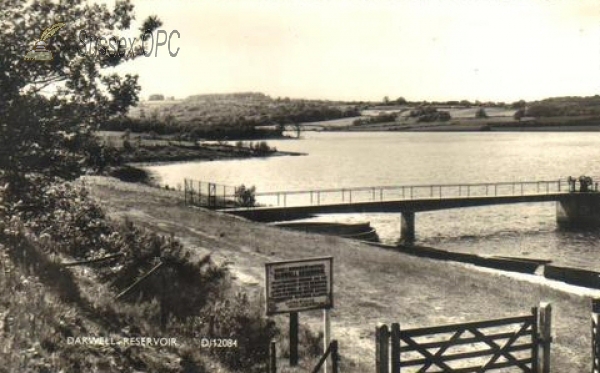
<point x="156" y="97"/>
<point x="521" y="104"/>
<point x="49" y="110"/>
<point x="480" y="113"/>
<point x="298" y="128"/>
<point x="519" y="114"/>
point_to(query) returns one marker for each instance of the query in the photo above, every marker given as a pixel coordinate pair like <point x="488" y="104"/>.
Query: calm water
<point x="365" y="159"/>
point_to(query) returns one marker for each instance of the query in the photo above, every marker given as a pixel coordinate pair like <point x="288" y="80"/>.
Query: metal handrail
<point x="396" y="187"/>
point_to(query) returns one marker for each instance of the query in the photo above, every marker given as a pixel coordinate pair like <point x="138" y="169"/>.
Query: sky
<point x="487" y="50"/>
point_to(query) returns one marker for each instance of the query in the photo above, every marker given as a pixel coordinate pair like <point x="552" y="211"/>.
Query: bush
<point x="263" y="147"/>
<point x="184" y="296"/>
<point x="480" y="113"/>
<point x="127" y="147"/>
<point x="237" y="319"/>
<point x="74" y="223"/>
<point x="519" y="114"/>
<point x="245" y="197"/>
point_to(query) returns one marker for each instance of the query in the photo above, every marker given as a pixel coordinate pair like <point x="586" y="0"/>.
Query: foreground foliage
<point x="187" y="297"/>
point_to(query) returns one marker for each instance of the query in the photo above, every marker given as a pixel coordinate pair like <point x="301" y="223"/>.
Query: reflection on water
<point x="338" y="160"/>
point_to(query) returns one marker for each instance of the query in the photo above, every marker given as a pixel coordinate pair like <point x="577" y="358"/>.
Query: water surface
<point x="338" y="160"/>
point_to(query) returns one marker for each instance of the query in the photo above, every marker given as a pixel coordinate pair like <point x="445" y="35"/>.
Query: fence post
<point x="185" y="191"/>
<point x="545" y="321"/>
<point x="272" y="358"/>
<point x="596" y="335"/>
<point x="382" y="340"/>
<point x="395" y="334"/>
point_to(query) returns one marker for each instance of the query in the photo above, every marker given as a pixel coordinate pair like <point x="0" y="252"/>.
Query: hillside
<point x="231" y="116"/>
<point x="256" y="115"/>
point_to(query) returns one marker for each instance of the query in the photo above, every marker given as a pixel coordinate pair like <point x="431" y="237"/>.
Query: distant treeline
<point x="241" y="116"/>
<point x="192" y="131"/>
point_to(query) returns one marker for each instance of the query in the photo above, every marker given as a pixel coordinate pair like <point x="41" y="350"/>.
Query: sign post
<point x="300" y="285"/>
<point x="326" y="333"/>
<point x="293" y="339"/>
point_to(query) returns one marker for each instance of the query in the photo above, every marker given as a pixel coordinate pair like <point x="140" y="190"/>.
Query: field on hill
<point x="227" y="116"/>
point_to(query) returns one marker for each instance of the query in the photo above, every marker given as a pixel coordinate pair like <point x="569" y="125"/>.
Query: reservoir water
<point x="336" y="160"/>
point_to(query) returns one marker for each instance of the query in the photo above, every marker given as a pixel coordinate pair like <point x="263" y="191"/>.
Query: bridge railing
<point x="410" y="192"/>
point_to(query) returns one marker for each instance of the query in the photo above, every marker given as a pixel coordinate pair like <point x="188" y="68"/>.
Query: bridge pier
<point x="407" y="228"/>
<point x="579" y="210"/>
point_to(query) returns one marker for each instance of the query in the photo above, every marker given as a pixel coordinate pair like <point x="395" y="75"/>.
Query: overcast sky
<point x="498" y="50"/>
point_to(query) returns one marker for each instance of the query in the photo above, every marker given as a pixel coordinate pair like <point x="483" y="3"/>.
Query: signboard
<point x="299" y="285"/>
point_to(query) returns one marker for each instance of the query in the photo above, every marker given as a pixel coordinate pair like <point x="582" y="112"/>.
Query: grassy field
<point x="372" y="285"/>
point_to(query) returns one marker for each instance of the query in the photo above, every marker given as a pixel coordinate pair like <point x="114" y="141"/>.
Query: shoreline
<point x="203" y="159"/>
<point x="470" y="128"/>
<point x="492" y="124"/>
<point x="578" y="280"/>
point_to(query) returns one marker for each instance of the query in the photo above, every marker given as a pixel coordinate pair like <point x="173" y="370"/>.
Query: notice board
<point x="299" y="285"/>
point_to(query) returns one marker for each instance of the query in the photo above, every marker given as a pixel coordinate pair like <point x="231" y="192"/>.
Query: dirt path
<point x="372" y="285"/>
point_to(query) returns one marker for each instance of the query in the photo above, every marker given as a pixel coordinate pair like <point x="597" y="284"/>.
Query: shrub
<point x="480" y="113"/>
<point x="239" y="319"/>
<point x="519" y="114"/>
<point x="245" y="197"/>
<point x="127" y="147"/>
<point x="74" y="223"/>
<point x="263" y="147"/>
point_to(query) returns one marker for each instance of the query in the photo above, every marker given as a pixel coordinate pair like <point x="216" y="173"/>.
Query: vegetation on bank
<point x="131" y="148"/>
<point x="226" y="116"/>
<point x="187" y="298"/>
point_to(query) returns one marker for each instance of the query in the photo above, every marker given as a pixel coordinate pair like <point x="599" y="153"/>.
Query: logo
<point x="39" y="51"/>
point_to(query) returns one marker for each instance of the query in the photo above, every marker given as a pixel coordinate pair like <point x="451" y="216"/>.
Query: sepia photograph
<point x="267" y="186"/>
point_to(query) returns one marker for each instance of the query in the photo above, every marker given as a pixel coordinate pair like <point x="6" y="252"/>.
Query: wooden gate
<point x="508" y="343"/>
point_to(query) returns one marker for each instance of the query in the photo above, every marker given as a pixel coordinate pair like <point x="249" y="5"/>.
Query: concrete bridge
<point x="577" y="201"/>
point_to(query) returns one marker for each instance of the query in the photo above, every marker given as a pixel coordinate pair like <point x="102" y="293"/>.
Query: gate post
<point x="596" y="335"/>
<point x="395" y="334"/>
<point x="382" y="341"/>
<point x="545" y="330"/>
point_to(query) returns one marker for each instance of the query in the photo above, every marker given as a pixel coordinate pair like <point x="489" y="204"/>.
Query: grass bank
<point x="372" y="285"/>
